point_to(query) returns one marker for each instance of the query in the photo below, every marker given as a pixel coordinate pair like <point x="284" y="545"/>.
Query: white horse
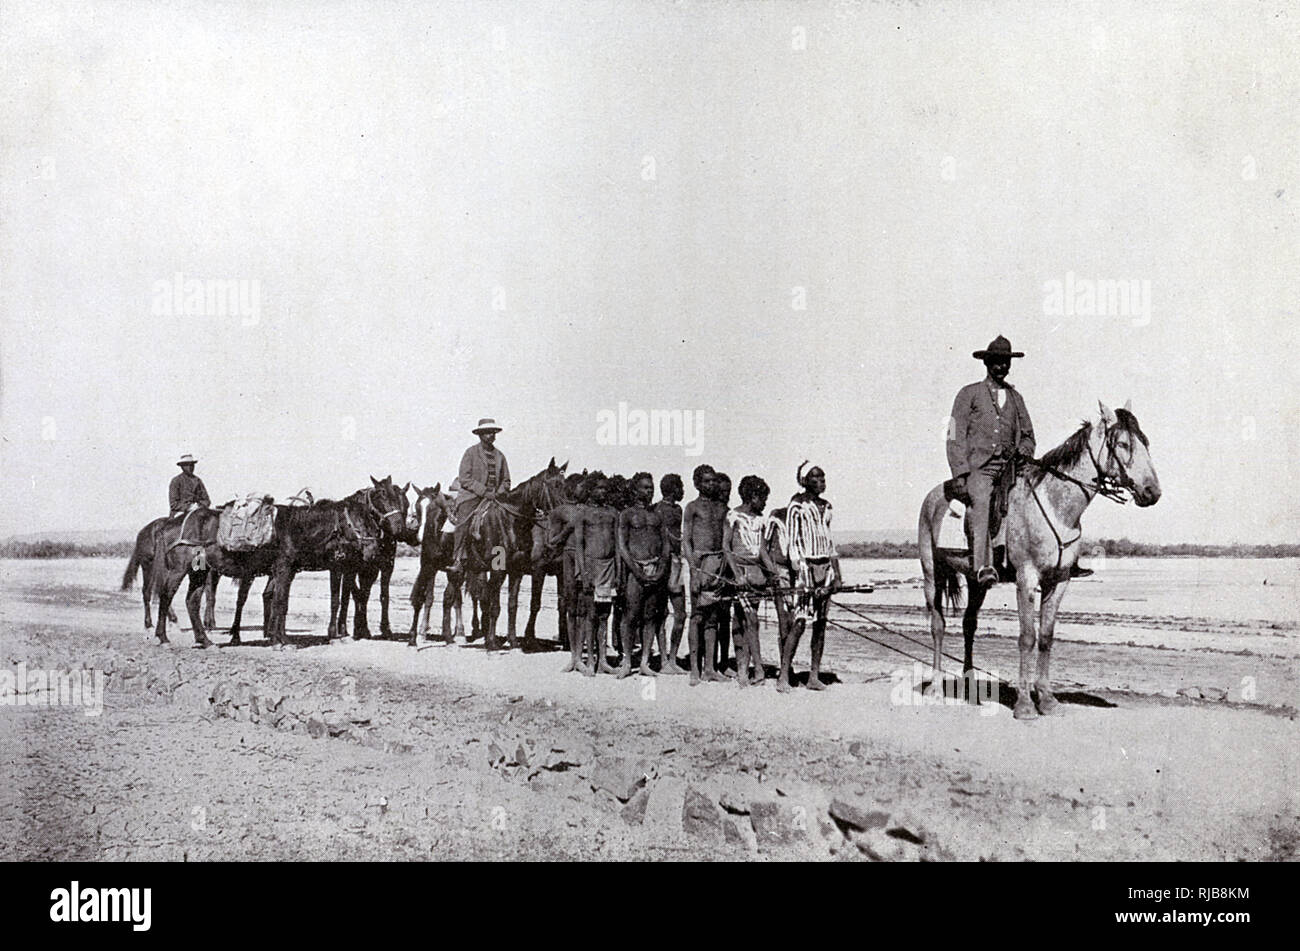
<point x="1042" y="541"/>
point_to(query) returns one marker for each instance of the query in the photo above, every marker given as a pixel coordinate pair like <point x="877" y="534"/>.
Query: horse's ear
<point x="1128" y="406"/>
<point x="406" y="488"/>
<point x="550" y="466"/>
<point x="565" y="467"/>
<point x="374" y="480"/>
<point x="1107" y="414"/>
<point x="437" y="489"/>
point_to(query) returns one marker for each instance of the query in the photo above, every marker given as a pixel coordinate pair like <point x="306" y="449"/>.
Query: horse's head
<point x="388" y="503"/>
<point x="430" y="510"/>
<point x="1122" y="455"/>
<point x="545" y="490"/>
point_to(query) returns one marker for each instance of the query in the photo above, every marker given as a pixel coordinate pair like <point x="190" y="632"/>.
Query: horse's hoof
<point x="1025" y="710"/>
<point x="1048" y="705"/>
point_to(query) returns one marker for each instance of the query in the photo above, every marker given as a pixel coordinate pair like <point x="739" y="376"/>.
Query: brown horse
<point x="142" y="560"/>
<point x="386" y="510"/>
<point x="1042" y="542"/>
<point x="493" y="540"/>
<point x="533" y="558"/>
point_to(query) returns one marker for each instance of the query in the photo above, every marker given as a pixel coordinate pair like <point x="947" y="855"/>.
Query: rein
<point x="1105" y="485"/>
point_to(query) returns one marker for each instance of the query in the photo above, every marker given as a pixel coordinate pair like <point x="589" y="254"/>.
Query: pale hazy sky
<point x="536" y="211"/>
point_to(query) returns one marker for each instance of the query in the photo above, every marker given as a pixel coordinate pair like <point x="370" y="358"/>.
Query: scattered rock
<point x="665" y="808"/>
<point x="739" y="833"/>
<point x="316" y="728"/>
<point x="1192" y="693"/>
<point x="857" y="816"/>
<point x="620" y="776"/>
<point x="778" y="823"/>
<point x="1214" y="693"/>
<point x="700" y="816"/>
<point x="634" y="811"/>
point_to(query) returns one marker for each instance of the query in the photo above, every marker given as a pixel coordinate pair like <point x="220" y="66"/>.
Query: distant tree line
<point x="1113" y="548"/>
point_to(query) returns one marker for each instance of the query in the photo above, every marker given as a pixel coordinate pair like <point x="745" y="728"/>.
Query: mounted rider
<point x="989" y="428"/>
<point x="186" y="491"/>
<point x="484" y="476"/>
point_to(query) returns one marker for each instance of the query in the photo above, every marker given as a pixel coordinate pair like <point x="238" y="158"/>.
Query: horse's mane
<point x="1071" y="451"/>
<point x="1068" y="452"/>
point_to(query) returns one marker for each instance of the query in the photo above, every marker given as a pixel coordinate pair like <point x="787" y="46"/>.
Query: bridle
<point x="1104" y="484"/>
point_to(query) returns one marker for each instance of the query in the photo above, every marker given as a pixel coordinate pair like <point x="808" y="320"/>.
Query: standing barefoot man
<point x="643" y="549"/>
<point x="776" y="550"/>
<point x="816" y="566"/>
<point x="722" y="660"/>
<point x="742" y="544"/>
<point x="674" y="590"/>
<point x="597" y="570"/>
<point x="702" y="527"/>
<point x="560" y="527"/>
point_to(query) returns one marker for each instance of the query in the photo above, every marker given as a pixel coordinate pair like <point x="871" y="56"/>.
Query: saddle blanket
<point x="247" y="524"/>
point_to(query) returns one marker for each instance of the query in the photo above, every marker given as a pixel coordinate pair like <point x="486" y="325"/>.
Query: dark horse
<point x="493" y="539"/>
<point x="142" y="560"/>
<point x="432" y="508"/>
<point x="532" y="556"/>
<point x="316" y="537"/>
<point x="386" y="505"/>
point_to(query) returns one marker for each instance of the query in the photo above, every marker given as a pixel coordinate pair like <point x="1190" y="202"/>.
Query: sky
<point x="793" y="221"/>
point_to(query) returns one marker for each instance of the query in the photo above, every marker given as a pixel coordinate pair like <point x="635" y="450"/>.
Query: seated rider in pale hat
<point x="483" y="475"/>
<point x="186" y="490"/>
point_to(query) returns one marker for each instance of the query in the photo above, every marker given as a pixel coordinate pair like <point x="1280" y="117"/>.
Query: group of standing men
<point x="623" y="553"/>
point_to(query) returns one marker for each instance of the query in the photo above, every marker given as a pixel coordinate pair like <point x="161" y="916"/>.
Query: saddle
<point x="246" y="524"/>
<point x="953" y="492"/>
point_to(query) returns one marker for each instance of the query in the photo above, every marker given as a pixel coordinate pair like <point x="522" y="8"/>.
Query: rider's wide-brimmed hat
<point x="486" y="425"/>
<point x="999" y="347"/>
<point x="187" y="460"/>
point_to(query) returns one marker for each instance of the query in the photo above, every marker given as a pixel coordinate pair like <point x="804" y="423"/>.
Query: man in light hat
<point x="186" y="490"/>
<point x="483" y="475"/>
<point x="988" y="428"/>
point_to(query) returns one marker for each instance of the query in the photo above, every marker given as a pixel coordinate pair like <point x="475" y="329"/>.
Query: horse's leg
<point x="537" y="585"/>
<point x="194" y="605"/>
<point x="245" y="583"/>
<point x="969" y="623"/>
<point x="933" y="605"/>
<point x="336" y="582"/>
<point x="268" y="608"/>
<point x="146" y="591"/>
<point x="282" y="580"/>
<point x="1053" y="592"/>
<point x="385" y="576"/>
<point x="346" y="581"/>
<point x="364" y="581"/>
<point x="417" y="602"/>
<point x="514" y="580"/>
<point x="1026" y="588"/>
<point x="166" y="586"/>
<point x="210" y="594"/>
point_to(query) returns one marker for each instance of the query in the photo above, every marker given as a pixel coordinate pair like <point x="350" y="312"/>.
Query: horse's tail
<point x="947" y="585"/>
<point x="128" y="576"/>
<point x="934" y="566"/>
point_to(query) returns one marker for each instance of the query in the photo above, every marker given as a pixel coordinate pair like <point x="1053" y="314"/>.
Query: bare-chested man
<point x="702" y="526"/>
<point x="597" y="563"/>
<point x="674" y="590"/>
<point x="723" y="659"/>
<point x="817" y="570"/>
<point x="643" y="549"/>
<point x="746" y="555"/>
<point x="560" y="527"/>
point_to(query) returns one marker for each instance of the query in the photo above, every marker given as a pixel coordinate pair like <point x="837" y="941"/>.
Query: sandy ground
<point x="449" y="753"/>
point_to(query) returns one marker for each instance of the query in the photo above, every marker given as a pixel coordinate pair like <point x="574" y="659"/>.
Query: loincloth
<point x="708" y="583"/>
<point x="748" y="599"/>
<point x="815" y="576"/>
<point x="601" y="578"/>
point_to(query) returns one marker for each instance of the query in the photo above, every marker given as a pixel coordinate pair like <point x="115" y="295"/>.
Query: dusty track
<point x="421" y="763"/>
